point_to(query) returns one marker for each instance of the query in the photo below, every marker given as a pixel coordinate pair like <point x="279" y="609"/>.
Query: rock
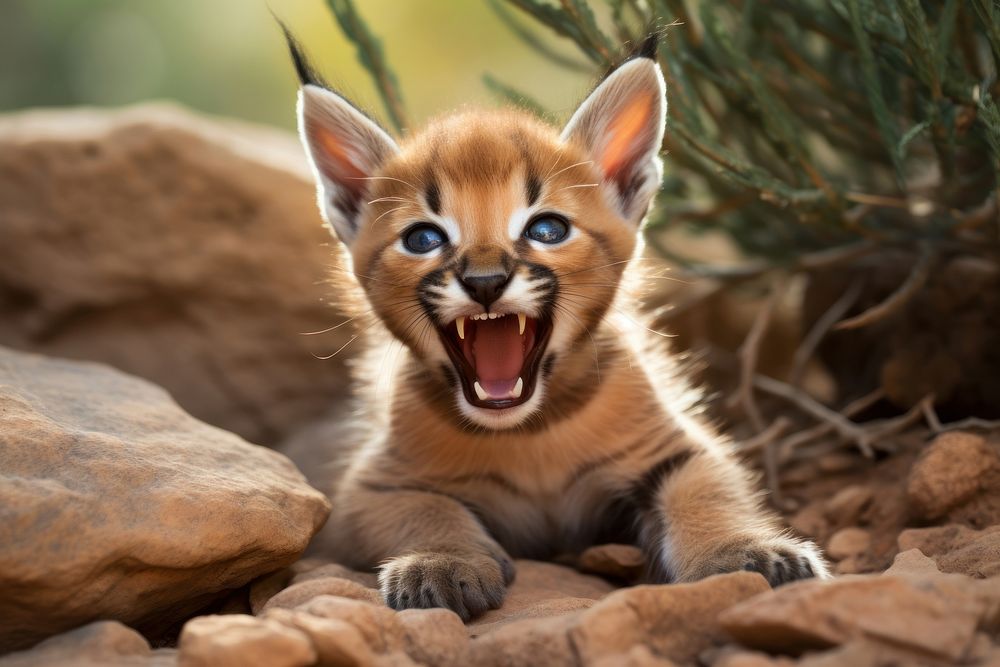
<point x="184" y="250"/>
<point x="267" y="587"/>
<point x="676" y="622"/>
<point x="379" y="626"/>
<point x="849" y="565"/>
<point x="541" y="590"/>
<point x="846" y="506"/>
<point x="433" y="636"/>
<point x="950" y="472"/>
<point x="98" y="644"/>
<point x="243" y="641"/>
<point x="956" y="548"/>
<point x="300" y="593"/>
<point x="912" y="563"/>
<point x="750" y="659"/>
<point x="351" y="632"/>
<point x="337" y="642"/>
<point x="936" y="615"/>
<point x="864" y="653"/>
<point x="310" y="568"/>
<point x="810" y="521"/>
<point x="620" y="561"/>
<point x="838" y="462"/>
<point x="637" y="656"/>
<point x="848" y="542"/>
<point x="116" y="504"/>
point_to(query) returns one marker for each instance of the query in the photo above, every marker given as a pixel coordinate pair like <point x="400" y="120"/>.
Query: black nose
<point x="485" y="289"/>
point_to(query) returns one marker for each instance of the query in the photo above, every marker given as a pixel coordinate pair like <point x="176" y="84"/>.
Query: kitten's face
<point x="489" y="244"/>
<point x="495" y="250"/>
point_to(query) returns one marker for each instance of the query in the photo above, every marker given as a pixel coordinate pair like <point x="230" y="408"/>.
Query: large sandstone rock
<point x="914" y="607"/>
<point x="184" y="250"/>
<point x="116" y="504"/>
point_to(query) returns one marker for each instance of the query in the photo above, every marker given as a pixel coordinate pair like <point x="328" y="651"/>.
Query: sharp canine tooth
<point x="521" y="319"/>
<point x="460" y="324"/>
<point x="518" y="388"/>
<point x="480" y="392"/>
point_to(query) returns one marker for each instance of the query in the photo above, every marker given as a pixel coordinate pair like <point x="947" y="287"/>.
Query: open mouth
<point x="497" y="356"/>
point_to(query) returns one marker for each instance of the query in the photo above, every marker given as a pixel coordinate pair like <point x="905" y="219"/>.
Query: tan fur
<point x="441" y="502"/>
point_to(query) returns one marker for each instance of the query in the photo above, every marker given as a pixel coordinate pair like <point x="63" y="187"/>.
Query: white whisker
<point x="383" y="178"/>
<point x="397" y="199"/>
<point x="331" y="356"/>
<point x="391" y="210"/>
<point x="578" y="164"/>
<point x="581" y="185"/>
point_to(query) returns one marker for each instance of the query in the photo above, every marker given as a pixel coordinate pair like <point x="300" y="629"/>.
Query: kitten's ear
<point x="345" y="148"/>
<point x="621" y="126"/>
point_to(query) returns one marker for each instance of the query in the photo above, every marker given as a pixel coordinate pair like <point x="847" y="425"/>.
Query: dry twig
<point x="895" y="301"/>
<point x="790" y="444"/>
<point x="750" y="351"/>
<point x="762" y="439"/>
<point x="819" y="330"/>
<point x="844" y="427"/>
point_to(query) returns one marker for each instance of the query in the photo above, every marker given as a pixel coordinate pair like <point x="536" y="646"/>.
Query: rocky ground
<point x="133" y="533"/>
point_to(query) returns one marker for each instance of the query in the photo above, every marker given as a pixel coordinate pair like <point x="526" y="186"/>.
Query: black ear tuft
<point x="306" y="72"/>
<point x="647" y="48"/>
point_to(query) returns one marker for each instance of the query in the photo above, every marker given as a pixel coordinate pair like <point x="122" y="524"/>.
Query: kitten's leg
<point x="432" y="551"/>
<point x="701" y="516"/>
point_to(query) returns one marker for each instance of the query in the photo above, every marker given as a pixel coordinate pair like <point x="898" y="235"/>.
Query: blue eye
<point x="423" y="238"/>
<point x="547" y="229"/>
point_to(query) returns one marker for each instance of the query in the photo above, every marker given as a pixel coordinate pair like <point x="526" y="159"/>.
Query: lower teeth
<point x="514" y="393"/>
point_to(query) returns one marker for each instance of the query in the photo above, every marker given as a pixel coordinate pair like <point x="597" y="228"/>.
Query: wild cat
<point x="529" y="412"/>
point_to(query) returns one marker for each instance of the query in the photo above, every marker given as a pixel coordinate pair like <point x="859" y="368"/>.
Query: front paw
<point x="781" y="560"/>
<point x="468" y="583"/>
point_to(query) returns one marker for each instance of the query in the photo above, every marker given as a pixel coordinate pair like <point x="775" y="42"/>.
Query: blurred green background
<point x="227" y="56"/>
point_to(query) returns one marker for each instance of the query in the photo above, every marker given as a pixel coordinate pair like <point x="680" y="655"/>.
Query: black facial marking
<point x="449" y="376"/>
<point x="534" y="189"/>
<point x="433" y="197"/>
<point x="549" y="288"/>
<point x="432" y="279"/>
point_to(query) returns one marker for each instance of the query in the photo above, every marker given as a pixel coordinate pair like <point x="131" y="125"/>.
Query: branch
<point x="370" y="54"/>
<point x="851" y="410"/>
<point x="844" y="427"/>
<point x="819" y="330"/>
<point x="895" y="301"/>
<point x="750" y="350"/>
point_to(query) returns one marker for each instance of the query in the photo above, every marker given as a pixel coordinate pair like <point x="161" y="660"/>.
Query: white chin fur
<point x="498" y="420"/>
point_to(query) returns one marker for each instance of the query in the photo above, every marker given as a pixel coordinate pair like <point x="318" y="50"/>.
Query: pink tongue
<point x="499" y="355"/>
